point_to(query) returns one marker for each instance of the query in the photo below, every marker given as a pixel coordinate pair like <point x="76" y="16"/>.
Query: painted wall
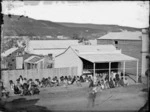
<point x="69" y="59"/>
<point x="131" y="48"/>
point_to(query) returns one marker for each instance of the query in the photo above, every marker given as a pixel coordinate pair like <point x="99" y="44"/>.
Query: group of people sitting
<point x="116" y="79"/>
<point x="24" y="86"/>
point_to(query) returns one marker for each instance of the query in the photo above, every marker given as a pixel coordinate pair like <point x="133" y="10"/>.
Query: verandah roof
<point x="33" y="59"/>
<point x="114" y="57"/>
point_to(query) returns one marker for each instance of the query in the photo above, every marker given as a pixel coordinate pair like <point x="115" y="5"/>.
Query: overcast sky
<point x="133" y="13"/>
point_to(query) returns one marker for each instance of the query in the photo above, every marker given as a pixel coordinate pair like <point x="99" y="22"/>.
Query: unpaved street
<point x="74" y="98"/>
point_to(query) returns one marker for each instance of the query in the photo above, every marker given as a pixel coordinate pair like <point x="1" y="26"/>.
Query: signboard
<point x="19" y="62"/>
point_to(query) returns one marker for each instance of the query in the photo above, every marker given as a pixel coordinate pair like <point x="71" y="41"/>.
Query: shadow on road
<point x="23" y="105"/>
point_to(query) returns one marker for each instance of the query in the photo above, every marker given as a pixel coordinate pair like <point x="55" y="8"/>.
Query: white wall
<point x="69" y="59"/>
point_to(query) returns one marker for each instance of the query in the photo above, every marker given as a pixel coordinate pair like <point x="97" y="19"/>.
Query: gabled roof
<point x="94" y="49"/>
<point x="33" y="59"/>
<point x="51" y="44"/>
<point x="125" y="35"/>
<point x="46" y="52"/>
<point x="100" y="53"/>
<point x="9" y="51"/>
<point x="44" y="47"/>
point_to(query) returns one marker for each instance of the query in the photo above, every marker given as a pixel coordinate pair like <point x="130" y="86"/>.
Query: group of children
<point x="24" y="86"/>
<point x="103" y="81"/>
<point x="114" y="80"/>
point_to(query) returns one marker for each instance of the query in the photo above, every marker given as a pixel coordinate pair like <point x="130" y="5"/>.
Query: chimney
<point x="145" y="51"/>
<point x="50" y="56"/>
<point x="27" y="43"/>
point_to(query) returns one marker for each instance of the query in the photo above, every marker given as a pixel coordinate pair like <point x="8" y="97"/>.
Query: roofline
<point x="62" y="52"/>
<point x="135" y="59"/>
<point x="56" y="40"/>
<point x="119" y="39"/>
<point x="66" y="50"/>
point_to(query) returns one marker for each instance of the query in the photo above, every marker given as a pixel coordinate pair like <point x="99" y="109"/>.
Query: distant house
<point x="45" y="47"/>
<point x="129" y="42"/>
<point x="9" y="52"/>
<point x="93" y="58"/>
<point x="34" y="62"/>
<point x="14" y="58"/>
<point x="38" y="62"/>
<point x="9" y="58"/>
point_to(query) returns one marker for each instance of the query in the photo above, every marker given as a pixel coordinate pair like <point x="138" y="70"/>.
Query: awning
<point x="115" y="57"/>
<point x="33" y="59"/>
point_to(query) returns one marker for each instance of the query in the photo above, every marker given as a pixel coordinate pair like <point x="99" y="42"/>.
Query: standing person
<point x="91" y="83"/>
<point x="92" y="96"/>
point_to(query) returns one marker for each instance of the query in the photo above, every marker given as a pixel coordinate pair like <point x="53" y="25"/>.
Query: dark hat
<point x="148" y="56"/>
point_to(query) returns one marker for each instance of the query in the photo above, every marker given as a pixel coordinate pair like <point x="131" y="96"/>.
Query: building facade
<point x="69" y="59"/>
<point x="130" y="43"/>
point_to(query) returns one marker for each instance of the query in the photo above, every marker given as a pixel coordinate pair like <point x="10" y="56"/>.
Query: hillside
<point x="107" y="28"/>
<point x="24" y="26"/>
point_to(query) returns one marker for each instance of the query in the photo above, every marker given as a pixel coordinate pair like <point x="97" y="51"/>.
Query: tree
<point x="76" y="36"/>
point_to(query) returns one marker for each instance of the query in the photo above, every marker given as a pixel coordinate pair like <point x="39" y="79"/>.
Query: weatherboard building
<point x="94" y="59"/>
<point x="134" y="44"/>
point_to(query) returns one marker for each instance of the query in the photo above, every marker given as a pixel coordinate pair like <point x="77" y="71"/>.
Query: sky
<point x="123" y="13"/>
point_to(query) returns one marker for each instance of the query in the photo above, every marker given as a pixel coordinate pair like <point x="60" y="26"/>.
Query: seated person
<point x="25" y="89"/>
<point x="111" y="83"/>
<point x="16" y="90"/>
<point x="24" y="81"/>
<point x="102" y="84"/>
<point x="73" y="80"/>
<point x="115" y="82"/>
<point x="121" y="82"/>
<point x="126" y="83"/>
<point x="5" y="93"/>
<point x="19" y="86"/>
<point x="106" y="84"/>
<point x="81" y="79"/>
<point x="69" y="81"/>
<point x="78" y="82"/>
<point x="11" y="85"/>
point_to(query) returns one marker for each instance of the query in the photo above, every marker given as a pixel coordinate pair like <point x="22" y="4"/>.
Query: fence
<point x="36" y="74"/>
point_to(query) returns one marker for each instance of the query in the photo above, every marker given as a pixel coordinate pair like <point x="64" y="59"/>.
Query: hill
<point x="107" y="28"/>
<point x="24" y="26"/>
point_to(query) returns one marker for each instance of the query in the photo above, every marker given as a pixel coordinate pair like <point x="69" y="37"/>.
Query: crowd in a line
<point x="24" y="86"/>
<point x="116" y="79"/>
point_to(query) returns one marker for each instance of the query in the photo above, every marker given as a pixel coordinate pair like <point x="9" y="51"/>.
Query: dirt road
<point x="74" y="98"/>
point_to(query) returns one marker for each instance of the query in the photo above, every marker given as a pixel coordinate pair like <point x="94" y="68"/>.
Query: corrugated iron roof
<point x="9" y="51"/>
<point x="45" y="52"/>
<point x="115" y="57"/>
<point x="33" y="59"/>
<point x="49" y="44"/>
<point x="80" y="49"/>
<point x="45" y="47"/>
<point x="125" y="35"/>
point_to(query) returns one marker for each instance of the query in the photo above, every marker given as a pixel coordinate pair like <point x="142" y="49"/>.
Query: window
<point x="116" y="42"/>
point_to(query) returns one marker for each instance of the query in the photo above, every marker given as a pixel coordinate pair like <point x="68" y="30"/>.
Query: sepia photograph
<point x="68" y="56"/>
